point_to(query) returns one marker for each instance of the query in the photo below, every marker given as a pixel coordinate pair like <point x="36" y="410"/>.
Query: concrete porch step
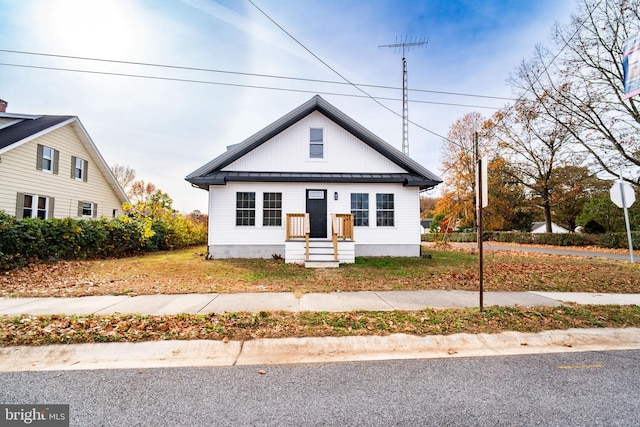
<point x="321" y="264"/>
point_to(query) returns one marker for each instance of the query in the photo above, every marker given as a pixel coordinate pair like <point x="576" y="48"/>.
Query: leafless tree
<point x="124" y="175"/>
<point x="578" y="82"/>
<point x="535" y="146"/>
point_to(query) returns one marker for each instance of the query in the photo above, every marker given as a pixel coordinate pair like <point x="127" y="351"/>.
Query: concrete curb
<point x="201" y="353"/>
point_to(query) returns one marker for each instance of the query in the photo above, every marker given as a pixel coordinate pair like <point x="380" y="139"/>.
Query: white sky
<point x="167" y="129"/>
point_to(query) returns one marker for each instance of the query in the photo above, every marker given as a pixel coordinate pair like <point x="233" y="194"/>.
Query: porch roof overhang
<point x="222" y="177"/>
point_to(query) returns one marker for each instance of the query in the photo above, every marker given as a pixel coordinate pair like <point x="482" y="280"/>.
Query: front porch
<point x="319" y="252"/>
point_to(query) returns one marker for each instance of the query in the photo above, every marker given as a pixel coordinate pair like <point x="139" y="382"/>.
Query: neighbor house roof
<point x="211" y="173"/>
<point x="540" y="227"/>
<point x="24" y="128"/>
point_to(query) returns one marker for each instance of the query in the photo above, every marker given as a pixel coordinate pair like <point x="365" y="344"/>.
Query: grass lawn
<point x="56" y="329"/>
<point x="187" y="271"/>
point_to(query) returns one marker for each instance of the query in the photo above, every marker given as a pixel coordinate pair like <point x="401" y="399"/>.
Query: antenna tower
<point x="405" y="45"/>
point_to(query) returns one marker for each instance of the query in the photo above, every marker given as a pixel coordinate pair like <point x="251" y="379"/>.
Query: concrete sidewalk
<point x="155" y="354"/>
<point x="269" y="301"/>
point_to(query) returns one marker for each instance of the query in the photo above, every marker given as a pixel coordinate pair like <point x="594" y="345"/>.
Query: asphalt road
<point x="569" y="389"/>
<point x="553" y="250"/>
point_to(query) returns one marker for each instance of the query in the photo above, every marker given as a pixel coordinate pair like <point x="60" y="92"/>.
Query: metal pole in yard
<point x="479" y="203"/>
<point x="625" y="207"/>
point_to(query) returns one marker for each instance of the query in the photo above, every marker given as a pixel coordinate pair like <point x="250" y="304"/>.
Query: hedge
<point x="608" y="240"/>
<point x="31" y="239"/>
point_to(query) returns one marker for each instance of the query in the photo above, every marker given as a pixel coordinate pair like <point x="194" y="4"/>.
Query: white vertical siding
<point x="289" y="152"/>
<point x="18" y="174"/>
<point x="222" y="212"/>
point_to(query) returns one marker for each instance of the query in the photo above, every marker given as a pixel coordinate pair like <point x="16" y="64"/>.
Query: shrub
<point x="608" y="240"/>
<point x="31" y="239"/>
<point x="565" y="239"/>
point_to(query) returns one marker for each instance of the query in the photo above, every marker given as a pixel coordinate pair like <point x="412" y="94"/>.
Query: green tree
<point x="573" y="187"/>
<point x="600" y="209"/>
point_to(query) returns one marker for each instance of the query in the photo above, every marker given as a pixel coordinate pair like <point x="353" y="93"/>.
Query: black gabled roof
<point x="27" y="127"/>
<point x="211" y="172"/>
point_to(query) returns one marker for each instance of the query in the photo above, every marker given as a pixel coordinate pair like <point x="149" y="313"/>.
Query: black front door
<point x="317" y="210"/>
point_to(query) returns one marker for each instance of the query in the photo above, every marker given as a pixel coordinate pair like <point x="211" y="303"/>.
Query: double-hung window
<point x="47" y="159"/>
<point x="79" y="168"/>
<point x="316" y="143"/>
<point x="384" y="210"/>
<point x="87" y="209"/>
<point x="34" y="206"/>
<point x="272" y="209"/>
<point x="360" y="209"/>
<point x="246" y="208"/>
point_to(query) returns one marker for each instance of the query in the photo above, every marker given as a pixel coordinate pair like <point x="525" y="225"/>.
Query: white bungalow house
<point x="51" y="168"/>
<point x="313" y="186"/>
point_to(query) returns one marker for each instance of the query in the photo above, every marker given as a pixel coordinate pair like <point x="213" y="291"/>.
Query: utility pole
<point x="405" y="45"/>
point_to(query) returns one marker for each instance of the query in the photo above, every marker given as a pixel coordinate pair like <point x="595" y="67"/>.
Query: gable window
<point x="246" y="208"/>
<point x="34" y="206"/>
<point x="384" y="210"/>
<point x="79" y="168"/>
<point x="87" y="209"/>
<point x="47" y="159"/>
<point x="316" y="143"/>
<point x="360" y="209"/>
<point x="272" y="209"/>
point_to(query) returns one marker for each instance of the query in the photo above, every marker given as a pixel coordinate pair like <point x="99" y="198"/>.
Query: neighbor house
<point x="50" y="168"/>
<point x="314" y="185"/>
<point x="425" y="225"/>
<point x="541" y="227"/>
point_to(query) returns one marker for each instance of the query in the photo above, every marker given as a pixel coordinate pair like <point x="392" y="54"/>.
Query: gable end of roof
<point x="317" y="103"/>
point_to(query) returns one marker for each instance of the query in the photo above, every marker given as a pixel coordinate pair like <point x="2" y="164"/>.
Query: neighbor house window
<point x="360" y="209"/>
<point x="316" y="144"/>
<point x="384" y="210"/>
<point x="272" y="209"/>
<point x="79" y="168"/>
<point x="34" y="206"/>
<point x="47" y="159"/>
<point x="245" y="208"/>
<point x="87" y="209"/>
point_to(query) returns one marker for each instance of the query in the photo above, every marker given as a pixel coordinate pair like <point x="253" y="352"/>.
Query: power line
<point x="240" y="73"/>
<point x="336" y="72"/>
<point x="174" y="79"/>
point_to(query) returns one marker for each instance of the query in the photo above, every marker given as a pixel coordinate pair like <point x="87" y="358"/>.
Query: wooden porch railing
<point x="341" y="228"/>
<point x="298" y="227"/>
